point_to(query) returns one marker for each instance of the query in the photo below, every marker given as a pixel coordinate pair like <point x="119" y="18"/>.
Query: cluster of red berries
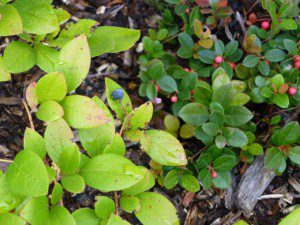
<point x="219" y="59"/>
<point x="296" y="59"/>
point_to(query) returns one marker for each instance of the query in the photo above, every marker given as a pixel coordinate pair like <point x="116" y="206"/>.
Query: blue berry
<point x="117" y="94"/>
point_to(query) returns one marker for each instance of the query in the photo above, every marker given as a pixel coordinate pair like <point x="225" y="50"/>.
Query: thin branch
<point x="28" y="114"/>
<point x="6" y="160"/>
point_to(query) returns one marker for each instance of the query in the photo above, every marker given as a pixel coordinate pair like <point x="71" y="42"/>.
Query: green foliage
<point x="286" y="145"/>
<point x="209" y="97"/>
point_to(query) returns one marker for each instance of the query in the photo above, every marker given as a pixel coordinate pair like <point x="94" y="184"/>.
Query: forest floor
<point x="204" y="207"/>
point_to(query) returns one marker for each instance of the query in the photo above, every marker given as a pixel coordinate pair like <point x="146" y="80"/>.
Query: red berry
<point x="252" y="18"/>
<point x="297" y="64"/>
<point x="268" y="62"/>
<point x="214" y="174"/>
<point x="187" y="69"/>
<point x="218" y="59"/>
<point x="157" y="88"/>
<point x="232" y="65"/>
<point x="292" y="90"/>
<point x="187" y="11"/>
<point x="265" y="25"/>
<point x="296" y="58"/>
<point x="174" y="99"/>
<point x="215" y="65"/>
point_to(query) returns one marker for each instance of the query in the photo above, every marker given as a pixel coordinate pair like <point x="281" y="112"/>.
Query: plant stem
<point x="28" y="114"/>
<point x="116" y="202"/>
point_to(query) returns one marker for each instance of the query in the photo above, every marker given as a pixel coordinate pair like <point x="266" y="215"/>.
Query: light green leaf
<point x="46" y="57"/>
<point x="69" y="160"/>
<point x="171" y="179"/>
<point x="100" y="171"/>
<point x="18" y="57"/>
<point x="186" y="131"/>
<point x="115" y="146"/>
<point x="57" y="135"/>
<point x="33" y="141"/>
<point x="156" y="209"/>
<point x="189" y="183"/>
<point x="172" y="123"/>
<point x="240" y="99"/>
<point x="81" y="112"/>
<point x="292" y="218"/>
<point x="74" y="61"/>
<point x="220" y="78"/>
<point x="7" y="201"/>
<point x="112" y="39"/>
<point x="288" y="24"/>
<point x="62" y="15"/>
<point x="144" y="185"/>
<point x="73" y="183"/>
<point x="35" y="211"/>
<point x="116" y="220"/>
<point x="282" y="100"/>
<point x="27" y="175"/>
<point x="50" y="110"/>
<point x="86" y="216"/>
<point x="194" y="113"/>
<point x="51" y="87"/>
<point x="163" y="148"/>
<point x="10" y="22"/>
<point x="94" y="140"/>
<point x="117" y="105"/>
<point x="11" y="219"/>
<point x="57" y="194"/>
<point x="37" y="16"/>
<point x="140" y="117"/>
<point x="104" y="206"/>
<point x="255" y="149"/>
<point x="129" y="203"/>
<point x="4" y="75"/>
<point x="59" y="215"/>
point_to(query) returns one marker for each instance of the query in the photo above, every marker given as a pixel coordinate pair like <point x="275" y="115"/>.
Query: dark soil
<point x="205" y="207"/>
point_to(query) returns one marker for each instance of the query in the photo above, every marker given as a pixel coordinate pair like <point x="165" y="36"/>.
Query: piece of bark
<point x="252" y="185"/>
<point x="229" y="194"/>
<point x="10" y="101"/>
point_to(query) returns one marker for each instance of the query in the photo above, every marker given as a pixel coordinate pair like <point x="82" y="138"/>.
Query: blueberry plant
<point x="211" y="83"/>
<point x="83" y="143"/>
<point x="43" y="31"/>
